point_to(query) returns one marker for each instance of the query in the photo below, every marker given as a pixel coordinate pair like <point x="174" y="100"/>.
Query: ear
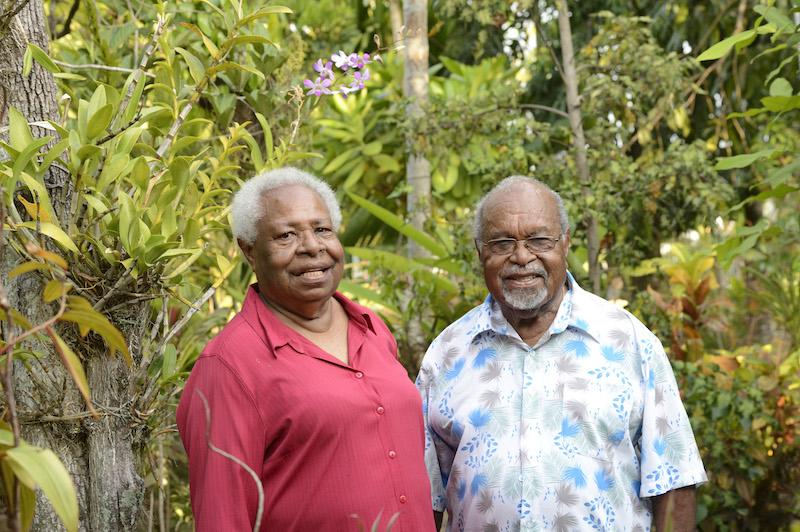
<point x="567" y="240"/>
<point x="247" y="250"/>
<point x="477" y="247"/>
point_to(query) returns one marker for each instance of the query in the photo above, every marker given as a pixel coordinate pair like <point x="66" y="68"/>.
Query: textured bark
<point x="100" y="455"/>
<point x="570" y="76"/>
<point x="418" y="172"/>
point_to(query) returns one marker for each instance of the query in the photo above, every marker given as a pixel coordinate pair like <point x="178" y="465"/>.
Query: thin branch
<point x="67" y="23"/>
<point x="540" y="31"/>
<point x="93" y="66"/>
<point x="124" y="280"/>
<point x="151" y="48"/>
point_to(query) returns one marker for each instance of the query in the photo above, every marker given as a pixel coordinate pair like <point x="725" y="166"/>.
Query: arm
<point x="679" y="506"/>
<point x="437" y="518"/>
<point x="224" y="495"/>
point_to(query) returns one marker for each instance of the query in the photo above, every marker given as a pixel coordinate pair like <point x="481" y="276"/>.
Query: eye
<point x="324" y="232"/>
<point x="286" y="237"/>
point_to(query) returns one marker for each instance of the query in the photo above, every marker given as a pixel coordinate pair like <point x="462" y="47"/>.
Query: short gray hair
<point x="247" y="208"/>
<point x="507" y="184"/>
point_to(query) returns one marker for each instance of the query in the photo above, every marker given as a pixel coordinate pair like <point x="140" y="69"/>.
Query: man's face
<point x="296" y="257"/>
<point x="524" y="283"/>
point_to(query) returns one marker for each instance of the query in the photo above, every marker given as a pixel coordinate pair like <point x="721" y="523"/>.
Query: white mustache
<point x="536" y="269"/>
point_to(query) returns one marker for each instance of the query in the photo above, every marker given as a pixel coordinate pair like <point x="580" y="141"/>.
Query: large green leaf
<point x="54" y="232"/>
<point x="74" y="367"/>
<point x="397" y="223"/>
<point x="41" y="467"/>
<point x="398" y="263"/>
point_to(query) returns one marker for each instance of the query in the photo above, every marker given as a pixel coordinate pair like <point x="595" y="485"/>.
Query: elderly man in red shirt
<point x="303" y="386"/>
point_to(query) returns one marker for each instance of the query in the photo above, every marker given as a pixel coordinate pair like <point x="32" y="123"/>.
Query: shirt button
<point x="381" y="410"/>
<point x="392" y="454"/>
<point x="520" y="478"/>
<point x="403" y="499"/>
<point x="359" y="374"/>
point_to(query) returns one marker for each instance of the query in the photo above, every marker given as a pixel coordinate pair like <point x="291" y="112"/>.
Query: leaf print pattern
<point x="570" y="434"/>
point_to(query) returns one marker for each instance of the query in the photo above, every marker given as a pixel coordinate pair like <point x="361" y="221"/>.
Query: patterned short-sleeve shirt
<point x="574" y="433"/>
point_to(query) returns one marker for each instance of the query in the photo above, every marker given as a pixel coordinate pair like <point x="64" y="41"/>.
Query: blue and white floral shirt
<point x="574" y="433"/>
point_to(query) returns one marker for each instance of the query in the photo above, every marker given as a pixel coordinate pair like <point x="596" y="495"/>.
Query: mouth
<point x="312" y="274"/>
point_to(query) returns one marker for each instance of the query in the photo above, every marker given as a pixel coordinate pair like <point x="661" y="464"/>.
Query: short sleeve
<point x="669" y="455"/>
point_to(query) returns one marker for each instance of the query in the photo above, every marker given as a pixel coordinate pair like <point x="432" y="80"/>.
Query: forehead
<point x="292" y="204"/>
<point x="521" y="210"/>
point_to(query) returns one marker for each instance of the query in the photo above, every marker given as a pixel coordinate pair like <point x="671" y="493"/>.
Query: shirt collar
<point x="489" y="316"/>
<point x="275" y="334"/>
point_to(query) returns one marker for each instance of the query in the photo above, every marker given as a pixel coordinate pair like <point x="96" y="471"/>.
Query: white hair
<point x="248" y="208"/>
<point x="507" y="184"/>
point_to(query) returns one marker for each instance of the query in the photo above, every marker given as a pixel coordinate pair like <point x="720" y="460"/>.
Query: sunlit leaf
<point x="91" y="319"/>
<point x="42" y="468"/>
<point x="54" y="232"/>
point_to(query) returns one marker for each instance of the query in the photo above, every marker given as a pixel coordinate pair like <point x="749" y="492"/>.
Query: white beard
<point x="525" y="299"/>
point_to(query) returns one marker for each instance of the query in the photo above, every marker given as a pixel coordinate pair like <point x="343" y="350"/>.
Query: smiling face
<point x="296" y="257"/>
<point x="525" y="284"/>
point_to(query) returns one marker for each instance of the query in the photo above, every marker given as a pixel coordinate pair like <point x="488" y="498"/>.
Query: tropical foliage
<point x="689" y="112"/>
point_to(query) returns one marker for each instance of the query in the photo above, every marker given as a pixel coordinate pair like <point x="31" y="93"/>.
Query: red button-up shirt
<point x="328" y="441"/>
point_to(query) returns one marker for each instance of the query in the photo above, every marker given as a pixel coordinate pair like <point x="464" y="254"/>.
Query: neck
<point x="313" y="317"/>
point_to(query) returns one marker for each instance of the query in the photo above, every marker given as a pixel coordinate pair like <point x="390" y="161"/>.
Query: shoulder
<point x="608" y="322"/>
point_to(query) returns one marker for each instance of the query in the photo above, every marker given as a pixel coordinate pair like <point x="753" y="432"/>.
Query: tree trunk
<point x="578" y="140"/>
<point x="418" y="172"/>
<point x="396" y="20"/>
<point x="98" y="454"/>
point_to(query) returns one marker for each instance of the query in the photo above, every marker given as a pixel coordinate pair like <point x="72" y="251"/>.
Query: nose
<point x="307" y="242"/>
<point x="522" y="253"/>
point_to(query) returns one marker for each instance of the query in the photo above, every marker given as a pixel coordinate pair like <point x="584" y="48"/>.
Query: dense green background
<point x="693" y="168"/>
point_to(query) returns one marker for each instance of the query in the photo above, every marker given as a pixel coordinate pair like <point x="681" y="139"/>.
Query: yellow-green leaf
<point x="53" y="290"/>
<point x="26" y="267"/>
<point x="41" y="467"/>
<point x="196" y="68"/>
<point x="54" y="232"/>
<point x="99" y="121"/>
<point x="19" y="134"/>
<point x="91" y="319"/>
<point x="35" y="211"/>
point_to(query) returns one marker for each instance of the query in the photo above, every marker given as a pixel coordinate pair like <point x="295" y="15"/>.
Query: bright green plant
<point x="743" y="408"/>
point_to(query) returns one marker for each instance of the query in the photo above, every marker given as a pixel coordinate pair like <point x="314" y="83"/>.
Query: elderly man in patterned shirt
<point x="547" y="407"/>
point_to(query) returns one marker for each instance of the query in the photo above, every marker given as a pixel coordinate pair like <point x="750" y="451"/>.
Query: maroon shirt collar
<point x="275" y="334"/>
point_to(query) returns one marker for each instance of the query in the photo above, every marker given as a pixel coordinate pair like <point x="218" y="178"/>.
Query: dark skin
<point x="528" y="210"/>
<point x="684" y="504"/>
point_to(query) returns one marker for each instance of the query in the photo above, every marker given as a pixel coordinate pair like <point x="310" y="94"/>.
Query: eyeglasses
<point x="534" y="244"/>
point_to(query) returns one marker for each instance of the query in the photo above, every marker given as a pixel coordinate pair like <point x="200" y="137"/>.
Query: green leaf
<point x="365" y="293"/>
<point x="230" y="65"/>
<point x="127" y="213"/>
<point x="88" y="152"/>
<point x="88" y="318"/>
<point x="781" y="175"/>
<point x="168" y="364"/>
<point x="400" y="263"/>
<point x="338" y="161"/>
<point x="54" y="232"/>
<point x="41" y="467"/>
<point x="386" y="162"/>
<point x="74" y="367"/>
<point x="53" y="290"/>
<point x="724" y="46"/>
<point x="19" y="134"/>
<point x="251" y="39"/>
<point x="140" y="175"/>
<point x="26" y="267"/>
<point x="210" y="46"/>
<point x="261" y="13"/>
<point x="398" y="224"/>
<point x="99" y="122"/>
<point x="27" y="155"/>
<point x="741" y="161"/>
<point x="196" y="67"/>
<point x="781" y="87"/>
<point x="373" y="148"/>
